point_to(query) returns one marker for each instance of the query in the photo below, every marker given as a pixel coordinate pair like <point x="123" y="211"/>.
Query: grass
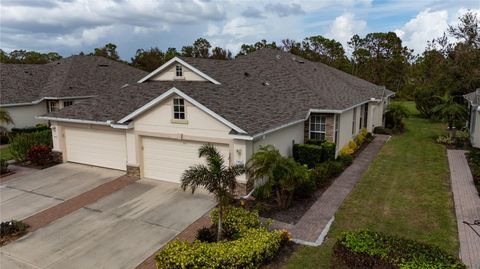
<point x="405" y="192"/>
<point x="5" y="154"/>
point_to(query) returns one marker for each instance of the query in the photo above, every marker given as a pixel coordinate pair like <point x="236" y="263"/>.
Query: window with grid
<point x="178" y="71"/>
<point x="178" y="108"/>
<point x="67" y="103"/>
<point x="317" y="127"/>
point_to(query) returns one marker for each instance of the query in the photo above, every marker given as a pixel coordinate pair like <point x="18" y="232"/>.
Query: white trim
<point x="255" y="137"/>
<point x="73" y="120"/>
<point x="47" y="98"/>
<point x="241" y="137"/>
<point x="180" y="61"/>
<point x="186" y="97"/>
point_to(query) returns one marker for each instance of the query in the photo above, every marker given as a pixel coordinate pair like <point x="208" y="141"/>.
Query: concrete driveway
<point x="24" y="196"/>
<point x="118" y="231"/>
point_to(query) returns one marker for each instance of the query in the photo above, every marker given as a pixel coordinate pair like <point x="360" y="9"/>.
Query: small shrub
<point x="40" y="155"/>
<point x="445" y="140"/>
<point x="364" y="132"/>
<point x="236" y="220"/>
<point x="369" y="137"/>
<point x="463" y="135"/>
<point x="4" y="167"/>
<point x="21" y="144"/>
<point x="382" y="130"/>
<point x="254" y="248"/>
<point x="348" y="149"/>
<point x="206" y="235"/>
<point x="347" y="160"/>
<point x="366" y="249"/>
<point x="307" y="187"/>
<point x="314" y="152"/>
<point x="36" y="128"/>
<point x="261" y="192"/>
<point x="359" y="139"/>
<point x="13" y="227"/>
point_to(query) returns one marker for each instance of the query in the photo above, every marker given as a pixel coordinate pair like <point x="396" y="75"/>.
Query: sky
<point x="71" y="26"/>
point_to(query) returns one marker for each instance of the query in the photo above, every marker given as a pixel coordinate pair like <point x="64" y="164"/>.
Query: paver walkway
<point x="467" y="207"/>
<point x="309" y="228"/>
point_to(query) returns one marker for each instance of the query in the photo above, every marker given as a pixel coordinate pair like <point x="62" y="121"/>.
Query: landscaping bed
<point x="11" y="230"/>
<point x="473" y="158"/>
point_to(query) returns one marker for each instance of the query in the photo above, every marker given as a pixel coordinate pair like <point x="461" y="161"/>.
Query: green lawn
<point x="404" y="192"/>
<point x="5" y="154"/>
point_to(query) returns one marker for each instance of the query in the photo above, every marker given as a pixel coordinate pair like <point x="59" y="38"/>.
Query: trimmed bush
<point x="21" y="144"/>
<point x="347" y="160"/>
<point x="4" y="167"/>
<point x="445" y="140"/>
<point x="37" y="128"/>
<point x="13" y="227"/>
<point x="254" y="248"/>
<point x="236" y="220"/>
<point x="206" y="235"/>
<point x="474" y="163"/>
<point x="382" y="130"/>
<point x="314" y="152"/>
<point x="348" y="149"/>
<point x="367" y="249"/>
<point x="40" y="155"/>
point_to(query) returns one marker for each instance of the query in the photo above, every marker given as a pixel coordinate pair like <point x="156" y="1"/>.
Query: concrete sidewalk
<point x="467" y="207"/>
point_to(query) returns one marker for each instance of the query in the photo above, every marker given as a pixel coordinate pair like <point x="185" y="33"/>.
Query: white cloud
<point x="426" y="26"/>
<point x="344" y="27"/>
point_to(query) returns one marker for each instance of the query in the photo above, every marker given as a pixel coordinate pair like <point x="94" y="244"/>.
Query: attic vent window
<point x="178" y="71"/>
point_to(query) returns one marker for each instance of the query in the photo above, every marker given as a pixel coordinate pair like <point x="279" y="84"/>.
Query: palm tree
<point x="215" y="176"/>
<point x="282" y="174"/>
<point x="5" y="117"/>
<point x="450" y="111"/>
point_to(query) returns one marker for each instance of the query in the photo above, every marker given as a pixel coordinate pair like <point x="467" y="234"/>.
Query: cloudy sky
<point x="71" y="26"/>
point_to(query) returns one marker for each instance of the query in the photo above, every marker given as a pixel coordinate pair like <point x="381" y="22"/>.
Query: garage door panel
<point x="96" y="147"/>
<point x="166" y="159"/>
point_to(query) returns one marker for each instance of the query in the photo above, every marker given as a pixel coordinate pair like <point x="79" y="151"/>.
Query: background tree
<point x="221" y="54"/>
<point x="148" y="60"/>
<point x="28" y="57"/>
<point x="450" y="112"/>
<point x="327" y="51"/>
<point x="108" y="51"/>
<point x="249" y="48"/>
<point x="215" y="176"/>
<point x="5" y="117"/>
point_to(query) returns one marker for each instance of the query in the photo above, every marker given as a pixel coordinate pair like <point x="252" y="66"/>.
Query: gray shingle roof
<point x="258" y="92"/>
<point x="473" y="97"/>
<point x="69" y="77"/>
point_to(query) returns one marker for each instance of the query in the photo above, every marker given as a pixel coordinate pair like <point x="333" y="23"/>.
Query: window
<point x="67" y="103"/>
<point x="365" y="115"/>
<point x="52" y="106"/>
<point x="317" y="127"/>
<point x="178" y="108"/>
<point x="354" y="121"/>
<point x="178" y="71"/>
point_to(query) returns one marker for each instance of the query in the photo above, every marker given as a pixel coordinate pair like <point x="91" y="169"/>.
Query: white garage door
<point x="95" y="147"/>
<point x="166" y="159"/>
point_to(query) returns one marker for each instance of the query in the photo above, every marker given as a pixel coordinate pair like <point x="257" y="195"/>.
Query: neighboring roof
<point x="260" y="91"/>
<point x="73" y="76"/>
<point x="473" y="97"/>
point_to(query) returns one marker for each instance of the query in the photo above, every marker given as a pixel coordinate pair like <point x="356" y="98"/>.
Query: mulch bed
<point x="9" y="173"/>
<point x="282" y="256"/>
<point x="7" y="239"/>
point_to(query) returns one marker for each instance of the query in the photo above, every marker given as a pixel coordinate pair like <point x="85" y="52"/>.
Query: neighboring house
<point x="474" y="117"/>
<point x="29" y="90"/>
<point x="153" y="129"/>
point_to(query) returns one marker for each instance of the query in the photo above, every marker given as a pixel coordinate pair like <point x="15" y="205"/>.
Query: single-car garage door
<point x="166" y="159"/>
<point x="96" y="147"/>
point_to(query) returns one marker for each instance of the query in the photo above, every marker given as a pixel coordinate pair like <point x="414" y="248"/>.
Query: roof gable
<point x="166" y="66"/>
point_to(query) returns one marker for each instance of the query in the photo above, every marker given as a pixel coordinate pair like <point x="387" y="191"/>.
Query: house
<point x="29" y="90"/>
<point x="153" y="128"/>
<point x="473" y="99"/>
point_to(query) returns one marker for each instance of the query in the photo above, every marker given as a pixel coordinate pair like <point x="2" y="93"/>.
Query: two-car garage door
<point x="166" y="159"/>
<point x="96" y="147"/>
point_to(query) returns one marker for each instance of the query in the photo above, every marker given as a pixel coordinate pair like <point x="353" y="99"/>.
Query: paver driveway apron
<point x="118" y="231"/>
<point x="24" y="196"/>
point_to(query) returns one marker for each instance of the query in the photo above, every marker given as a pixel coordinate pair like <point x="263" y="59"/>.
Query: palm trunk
<point x="220" y="216"/>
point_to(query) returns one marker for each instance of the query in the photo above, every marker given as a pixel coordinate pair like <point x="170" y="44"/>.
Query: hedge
<point x="313" y="153"/>
<point x="236" y="220"/>
<point x="21" y="144"/>
<point x="37" y="128"/>
<point x="367" y="249"/>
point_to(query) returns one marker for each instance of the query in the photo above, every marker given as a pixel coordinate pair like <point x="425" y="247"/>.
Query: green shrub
<point x="367" y="249"/>
<point x="13" y="227"/>
<point x="314" y="152"/>
<point x="382" y="130"/>
<point x="369" y="137"/>
<point x="253" y="249"/>
<point x="21" y="144"/>
<point x="36" y="128"/>
<point x="474" y="163"/>
<point x="307" y="187"/>
<point x="446" y="140"/>
<point x="347" y="160"/>
<point x="236" y="220"/>
<point x="4" y="167"/>
<point x="323" y="173"/>
<point x="206" y="235"/>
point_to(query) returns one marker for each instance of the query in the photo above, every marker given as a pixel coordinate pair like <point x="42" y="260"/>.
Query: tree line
<point x="450" y="64"/>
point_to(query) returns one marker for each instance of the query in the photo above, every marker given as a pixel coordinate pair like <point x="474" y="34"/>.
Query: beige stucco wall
<point x="170" y="74"/>
<point x="24" y="116"/>
<point x="282" y="139"/>
<point x="345" y="128"/>
<point x="375" y="115"/>
<point x="475" y="134"/>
